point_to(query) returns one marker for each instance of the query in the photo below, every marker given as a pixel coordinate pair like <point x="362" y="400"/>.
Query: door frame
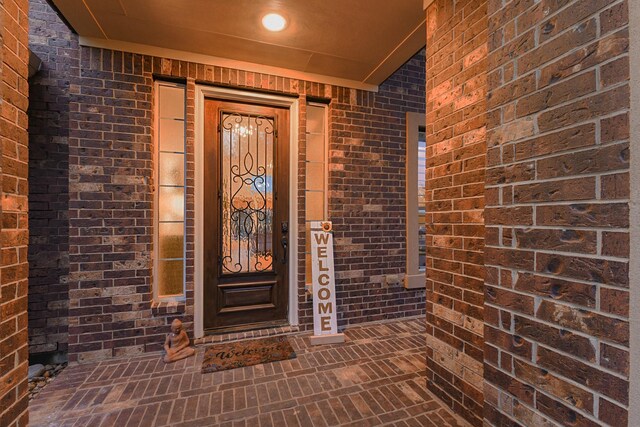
<point x="236" y="95"/>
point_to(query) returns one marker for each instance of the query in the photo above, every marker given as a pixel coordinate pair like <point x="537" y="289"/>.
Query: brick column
<point x="634" y="235"/>
<point x="557" y="216"/>
<point x="456" y="105"/>
<point x="110" y="201"/>
<point x="14" y="57"/>
<point x="57" y="47"/>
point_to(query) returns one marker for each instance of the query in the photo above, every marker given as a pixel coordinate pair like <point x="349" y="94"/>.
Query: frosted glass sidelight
<point x="171" y="204"/>
<point x="171" y="102"/>
<point x="315" y="205"/>
<point x="316" y="150"/>
<point x="170" y="277"/>
<point x="315" y="119"/>
<point x="171" y="240"/>
<point x="315" y="176"/>
<point x="315" y="173"/>
<point x="171" y="169"/>
<point x="170" y="178"/>
<point x="171" y="135"/>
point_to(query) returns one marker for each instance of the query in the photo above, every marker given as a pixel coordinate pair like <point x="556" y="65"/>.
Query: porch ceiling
<point x="363" y="41"/>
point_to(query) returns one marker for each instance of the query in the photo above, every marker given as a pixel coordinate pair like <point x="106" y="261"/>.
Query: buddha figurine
<point x="177" y="344"/>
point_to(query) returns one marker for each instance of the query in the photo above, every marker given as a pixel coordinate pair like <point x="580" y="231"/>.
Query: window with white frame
<point x="416" y="163"/>
<point x="315" y="173"/>
<point x="170" y="179"/>
<point x="422" y="201"/>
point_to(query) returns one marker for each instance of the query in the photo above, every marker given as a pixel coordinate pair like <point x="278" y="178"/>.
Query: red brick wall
<point x="110" y="215"/>
<point x="456" y="145"/>
<point x="110" y="208"/>
<point x="367" y="145"/>
<point x="14" y="57"/>
<point x="557" y="216"/>
<point x="57" y="47"/>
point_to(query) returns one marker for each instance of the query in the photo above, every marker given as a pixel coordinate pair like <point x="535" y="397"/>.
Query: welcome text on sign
<point x="324" y="280"/>
<point x="325" y="317"/>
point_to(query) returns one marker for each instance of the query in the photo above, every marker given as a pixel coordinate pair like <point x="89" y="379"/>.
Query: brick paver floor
<point x="376" y="378"/>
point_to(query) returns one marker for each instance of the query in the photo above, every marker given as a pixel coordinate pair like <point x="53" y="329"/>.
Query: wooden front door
<point x="246" y="216"/>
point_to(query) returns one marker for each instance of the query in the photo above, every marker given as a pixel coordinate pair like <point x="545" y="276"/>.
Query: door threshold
<point x="255" y="332"/>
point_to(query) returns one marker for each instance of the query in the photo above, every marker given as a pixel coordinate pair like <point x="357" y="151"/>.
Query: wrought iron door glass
<point x="247" y="193"/>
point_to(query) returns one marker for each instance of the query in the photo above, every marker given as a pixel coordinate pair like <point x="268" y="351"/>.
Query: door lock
<point x="284" y="227"/>
<point x="285" y="245"/>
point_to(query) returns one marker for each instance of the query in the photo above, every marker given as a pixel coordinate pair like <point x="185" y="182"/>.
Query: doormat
<point x="239" y="354"/>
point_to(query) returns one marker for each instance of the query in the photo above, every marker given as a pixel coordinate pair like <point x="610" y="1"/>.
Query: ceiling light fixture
<point x="274" y="22"/>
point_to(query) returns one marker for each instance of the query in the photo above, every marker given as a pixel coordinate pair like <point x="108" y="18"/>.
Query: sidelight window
<point x="316" y="173"/>
<point x="170" y="161"/>
<point x="416" y="163"/>
<point x="422" y="201"/>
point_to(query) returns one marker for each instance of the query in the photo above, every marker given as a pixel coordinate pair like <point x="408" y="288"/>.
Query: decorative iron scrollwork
<point x="247" y="193"/>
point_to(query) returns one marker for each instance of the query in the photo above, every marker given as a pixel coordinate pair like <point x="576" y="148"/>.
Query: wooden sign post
<point x="325" y="317"/>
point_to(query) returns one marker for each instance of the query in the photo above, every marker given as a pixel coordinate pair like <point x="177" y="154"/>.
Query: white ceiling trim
<point x="223" y="62"/>
<point x="95" y="20"/>
<point x="392" y="58"/>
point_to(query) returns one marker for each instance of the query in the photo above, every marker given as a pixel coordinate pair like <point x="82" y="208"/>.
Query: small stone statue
<point x="177" y="344"/>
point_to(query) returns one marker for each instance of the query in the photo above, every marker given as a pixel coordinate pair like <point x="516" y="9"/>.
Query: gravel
<point x="44" y="377"/>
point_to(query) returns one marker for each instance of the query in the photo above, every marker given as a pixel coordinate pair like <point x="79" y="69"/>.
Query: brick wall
<point x="14" y="57"/>
<point x="57" y="47"/>
<point x="367" y="196"/>
<point x="557" y="300"/>
<point x="110" y="150"/>
<point x="456" y="146"/>
<point x="110" y="202"/>
<point x="110" y="134"/>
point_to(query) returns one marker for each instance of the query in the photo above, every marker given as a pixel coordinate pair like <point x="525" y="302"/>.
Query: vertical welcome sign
<point x="325" y="317"/>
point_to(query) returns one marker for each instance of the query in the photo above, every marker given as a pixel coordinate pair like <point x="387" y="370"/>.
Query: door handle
<point x="284" y="227"/>
<point x="284" y="246"/>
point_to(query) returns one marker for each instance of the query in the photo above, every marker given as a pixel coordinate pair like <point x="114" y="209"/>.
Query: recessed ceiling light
<point x="274" y="22"/>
